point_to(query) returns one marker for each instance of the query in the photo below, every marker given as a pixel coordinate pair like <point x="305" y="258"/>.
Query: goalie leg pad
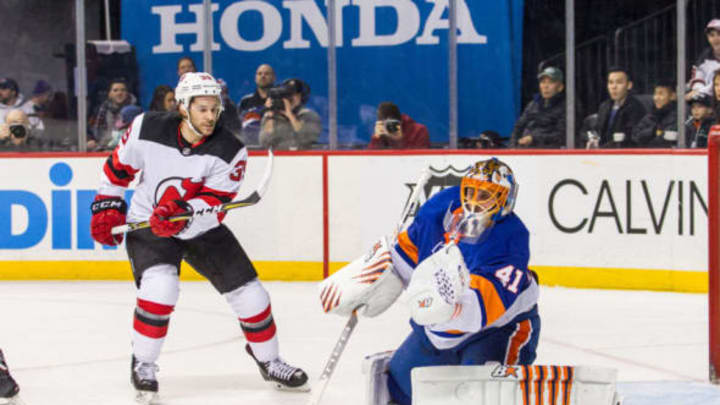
<point x="375" y="369"/>
<point x="514" y="385"/>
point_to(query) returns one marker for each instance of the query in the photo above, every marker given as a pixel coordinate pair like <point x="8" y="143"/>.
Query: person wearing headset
<point x="288" y="123"/>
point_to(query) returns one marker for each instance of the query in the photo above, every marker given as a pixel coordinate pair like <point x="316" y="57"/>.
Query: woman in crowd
<point x="163" y="99"/>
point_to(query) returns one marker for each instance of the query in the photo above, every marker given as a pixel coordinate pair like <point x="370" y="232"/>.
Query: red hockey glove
<point x="107" y="212"/>
<point x="159" y="221"/>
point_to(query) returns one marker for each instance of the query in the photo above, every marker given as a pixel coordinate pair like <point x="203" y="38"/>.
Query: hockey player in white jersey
<point x="463" y="263"/>
<point x="188" y="163"/>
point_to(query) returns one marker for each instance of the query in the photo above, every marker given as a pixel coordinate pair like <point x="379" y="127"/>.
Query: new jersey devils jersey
<point x="502" y="289"/>
<point x="205" y="174"/>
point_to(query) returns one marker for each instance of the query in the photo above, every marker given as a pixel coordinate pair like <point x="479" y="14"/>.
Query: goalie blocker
<point x="496" y="384"/>
<point x="368" y="281"/>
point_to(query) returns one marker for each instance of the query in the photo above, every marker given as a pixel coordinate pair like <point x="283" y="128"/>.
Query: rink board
<point x="633" y="220"/>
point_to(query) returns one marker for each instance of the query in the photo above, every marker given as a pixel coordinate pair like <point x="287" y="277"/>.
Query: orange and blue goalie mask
<point x="487" y="194"/>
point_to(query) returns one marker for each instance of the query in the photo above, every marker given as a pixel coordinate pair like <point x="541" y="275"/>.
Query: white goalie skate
<point x="142" y="376"/>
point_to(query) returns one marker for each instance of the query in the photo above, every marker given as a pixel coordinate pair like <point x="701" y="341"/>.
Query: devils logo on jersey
<point x="176" y="188"/>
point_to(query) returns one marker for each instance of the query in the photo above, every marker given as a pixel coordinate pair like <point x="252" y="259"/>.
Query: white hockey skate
<point x="281" y="375"/>
<point x="9" y="389"/>
<point x="142" y="376"/>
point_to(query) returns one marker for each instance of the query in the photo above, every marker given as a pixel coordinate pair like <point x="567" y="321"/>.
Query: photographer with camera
<point x="394" y="130"/>
<point x="287" y="123"/>
<point x="16" y="134"/>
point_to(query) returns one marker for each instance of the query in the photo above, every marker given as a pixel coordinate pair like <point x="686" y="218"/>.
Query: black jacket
<point x="649" y="132"/>
<point x="697" y="132"/>
<point x="627" y="116"/>
<point x="544" y="121"/>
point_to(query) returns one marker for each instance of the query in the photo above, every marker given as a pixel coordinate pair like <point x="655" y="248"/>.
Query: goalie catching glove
<point x="368" y="281"/>
<point x="437" y="287"/>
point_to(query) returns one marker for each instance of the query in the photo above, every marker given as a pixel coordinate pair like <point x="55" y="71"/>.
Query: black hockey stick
<point x="329" y="368"/>
<point x="252" y="199"/>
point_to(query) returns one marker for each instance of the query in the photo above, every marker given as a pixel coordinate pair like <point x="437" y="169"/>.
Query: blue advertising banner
<point x="387" y="50"/>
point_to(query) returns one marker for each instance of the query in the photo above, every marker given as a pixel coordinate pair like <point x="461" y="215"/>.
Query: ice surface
<point x="69" y="343"/>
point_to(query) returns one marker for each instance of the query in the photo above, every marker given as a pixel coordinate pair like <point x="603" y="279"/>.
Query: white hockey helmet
<point x="194" y="84"/>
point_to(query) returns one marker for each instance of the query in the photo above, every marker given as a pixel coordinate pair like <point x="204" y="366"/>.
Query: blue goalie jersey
<point x="502" y="289"/>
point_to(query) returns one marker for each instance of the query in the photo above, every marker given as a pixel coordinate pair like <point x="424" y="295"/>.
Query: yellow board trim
<point x="120" y="270"/>
<point x="623" y="279"/>
<point x="580" y="277"/>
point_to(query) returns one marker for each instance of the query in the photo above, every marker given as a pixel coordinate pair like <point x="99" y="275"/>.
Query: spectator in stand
<point x="486" y="140"/>
<point x="264" y="80"/>
<point x="394" y="130"/>
<point x="58" y="107"/>
<point x="542" y="124"/>
<point x="127" y="115"/>
<point x="702" y="118"/>
<point x="108" y="113"/>
<point x="16" y="134"/>
<point x="617" y="116"/>
<point x="184" y="65"/>
<point x="658" y="129"/>
<point x="38" y="106"/>
<point x="229" y="117"/>
<point x="163" y="99"/>
<point x="288" y="123"/>
<point x="252" y="106"/>
<point x="707" y="63"/>
<point x="716" y="93"/>
<point x="10" y="97"/>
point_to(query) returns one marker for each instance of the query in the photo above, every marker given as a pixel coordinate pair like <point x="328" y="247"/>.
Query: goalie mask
<point x="487" y="194"/>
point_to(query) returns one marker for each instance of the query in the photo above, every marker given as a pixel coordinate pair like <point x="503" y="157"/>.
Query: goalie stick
<point x="252" y="199"/>
<point x="333" y="360"/>
<point x="412" y="201"/>
<point x="324" y="379"/>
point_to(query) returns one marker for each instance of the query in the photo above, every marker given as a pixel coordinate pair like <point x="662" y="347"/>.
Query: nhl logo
<point x="439" y="180"/>
<point x="186" y="151"/>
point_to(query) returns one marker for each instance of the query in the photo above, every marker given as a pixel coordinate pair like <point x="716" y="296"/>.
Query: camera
<point x="18" y="130"/>
<point x="277" y="93"/>
<point x="391" y="125"/>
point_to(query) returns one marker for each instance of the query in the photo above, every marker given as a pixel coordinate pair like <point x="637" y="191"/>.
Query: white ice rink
<point x="69" y="343"/>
